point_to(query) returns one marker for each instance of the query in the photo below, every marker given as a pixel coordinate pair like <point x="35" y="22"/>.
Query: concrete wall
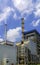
<point x="8" y="52"/>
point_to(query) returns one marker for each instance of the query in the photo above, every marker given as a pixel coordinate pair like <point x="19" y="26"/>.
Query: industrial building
<point x="24" y="52"/>
<point x="35" y="37"/>
<point x="8" y="54"/>
<point x="28" y="50"/>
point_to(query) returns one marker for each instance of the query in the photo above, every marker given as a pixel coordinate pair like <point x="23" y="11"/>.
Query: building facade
<point x="8" y="53"/>
<point x="23" y="54"/>
<point x="35" y="37"/>
<point x="29" y="51"/>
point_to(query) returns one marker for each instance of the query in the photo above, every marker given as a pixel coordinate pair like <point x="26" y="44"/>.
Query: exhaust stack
<point x="22" y="30"/>
<point x="5" y="33"/>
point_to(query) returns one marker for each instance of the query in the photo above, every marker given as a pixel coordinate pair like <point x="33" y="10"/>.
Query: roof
<point x="9" y="43"/>
<point x="32" y="32"/>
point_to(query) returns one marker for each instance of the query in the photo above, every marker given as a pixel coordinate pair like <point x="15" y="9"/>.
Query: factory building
<point x="8" y="53"/>
<point x="35" y="37"/>
<point x="28" y="50"/>
<point x="24" y="52"/>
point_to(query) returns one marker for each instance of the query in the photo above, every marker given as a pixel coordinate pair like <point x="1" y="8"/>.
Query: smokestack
<point x="22" y="30"/>
<point x="5" y="33"/>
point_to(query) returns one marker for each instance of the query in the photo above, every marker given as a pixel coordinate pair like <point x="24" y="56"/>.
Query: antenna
<point x="22" y="30"/>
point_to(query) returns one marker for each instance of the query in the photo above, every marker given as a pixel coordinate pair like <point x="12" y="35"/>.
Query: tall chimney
<point x="22" y="30"/>
<point x="5" y="33"/>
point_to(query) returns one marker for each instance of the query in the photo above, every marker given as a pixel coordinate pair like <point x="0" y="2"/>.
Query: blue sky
<point x="11" y="12"/>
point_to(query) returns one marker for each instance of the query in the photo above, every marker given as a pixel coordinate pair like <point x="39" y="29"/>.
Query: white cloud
<point x="1" y="39"/>
<point x="37" y="9"/>
<point x="5" y="3"/>
<point x="37" y="13"/>
<point x="15" y="16"/>
<point x="23" y="5"/>
<point x="6" y="12"/>
<point x="14" y="34"/>
<point x="36" y="23"/>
